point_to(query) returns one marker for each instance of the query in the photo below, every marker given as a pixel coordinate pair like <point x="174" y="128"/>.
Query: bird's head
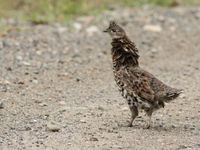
<point x="115" y="31"/>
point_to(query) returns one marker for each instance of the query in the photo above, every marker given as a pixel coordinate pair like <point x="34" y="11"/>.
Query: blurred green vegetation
<point x="63" y="10"/>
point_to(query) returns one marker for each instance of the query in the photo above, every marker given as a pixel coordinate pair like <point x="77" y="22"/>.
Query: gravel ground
<point x="58" y="91"/>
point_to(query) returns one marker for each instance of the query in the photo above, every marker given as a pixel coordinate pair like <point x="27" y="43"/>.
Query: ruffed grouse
<point x="140" y="88"/>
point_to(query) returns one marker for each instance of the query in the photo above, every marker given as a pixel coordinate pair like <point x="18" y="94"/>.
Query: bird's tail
<point x="172" y="94"/>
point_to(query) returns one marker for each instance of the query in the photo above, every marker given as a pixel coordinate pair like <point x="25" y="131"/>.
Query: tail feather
<point x="173" y="94"/>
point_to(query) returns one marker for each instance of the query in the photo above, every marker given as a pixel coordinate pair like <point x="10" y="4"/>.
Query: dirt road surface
<point x="58" y="92"/>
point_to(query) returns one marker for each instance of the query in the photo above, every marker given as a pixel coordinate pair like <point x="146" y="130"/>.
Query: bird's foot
<point x="130" y="125"/>
<point x="147" y="126"/>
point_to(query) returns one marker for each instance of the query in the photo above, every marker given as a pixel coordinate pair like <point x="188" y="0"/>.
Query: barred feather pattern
<point x="140" y="88"/>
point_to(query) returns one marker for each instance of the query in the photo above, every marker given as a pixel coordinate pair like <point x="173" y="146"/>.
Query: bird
<point x="142" y="90"/>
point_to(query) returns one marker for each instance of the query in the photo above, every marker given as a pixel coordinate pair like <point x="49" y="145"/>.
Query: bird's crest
<point x="115" y="31"/>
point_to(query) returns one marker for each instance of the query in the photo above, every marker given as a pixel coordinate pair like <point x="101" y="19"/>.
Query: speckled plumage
<point x="141" y="89"/>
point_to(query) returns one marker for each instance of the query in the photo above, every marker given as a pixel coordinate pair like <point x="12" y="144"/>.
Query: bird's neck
<point x="124" y="53"/>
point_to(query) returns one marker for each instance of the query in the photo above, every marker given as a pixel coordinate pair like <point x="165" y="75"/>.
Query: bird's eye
<point x="113" y="30"/>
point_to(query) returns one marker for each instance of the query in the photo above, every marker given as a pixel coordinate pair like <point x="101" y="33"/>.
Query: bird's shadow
<point x="153" y="127"/>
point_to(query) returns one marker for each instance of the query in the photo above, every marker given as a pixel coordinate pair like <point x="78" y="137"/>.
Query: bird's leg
<point x="149" y="114"/>
<point x="134" y="114"/>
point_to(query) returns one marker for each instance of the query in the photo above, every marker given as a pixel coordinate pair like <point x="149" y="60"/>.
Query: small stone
<point x="91" y="30"/>
<point x="62" y="29"/>
<point x="77" y="79"/>
<point x="4" y="88"/>
<point x="182" y="147"/>
<point x="173" y="126"/>
<point x="61" y="61"/>
<point x="26" y="63"/>
<point x="77" y="26"/>
<point x="63" y="109"/>
<point x="1" y="105"/>
<point x="154" y="50"/>
<point x="182" y="96"/>
<point x="119" y="136"/>
<point x="18" y="57"/>
<point x="36" y="71"/>
<point x="6" y="43"/>
<point x="35" y="81"/>
<point x="20" y="82"/>
<point x="53" y="127"/>
<point x="152" y="28"/>
<point x="100" y="108"/>
<point x="186" y="126"/>
<point x="28" y="128"/>
<point x="38" y="101"/>
<point x="125" y="108"/>
<point x="8" y="68"/>
<point x="43" y="104"/>
<point x="62" y="103"/>
<point x="93" y="139"/>
<point x="83" y="121"/>
<point x="39" y="52"/>
<point x="67" y="48"/>
<point x="187" y="73"/>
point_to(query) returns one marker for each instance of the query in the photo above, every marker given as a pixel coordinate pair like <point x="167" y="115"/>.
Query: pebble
<point x="7" y="44"/>
<point x="77" y="79"/>
<point x="119" y="136"/>
<point x="182" y="147"/>
<point x="63" y="109"/>
<point x="26" y="63"/>
<point x="100" y="108"/>
<point x="18" y="57"/>
<point x="91" y="30"/>
<point x="36" y="71"/>
<point x="4" y="88"/>
<point x="62" y="103"/>
<point x="27" y="128"/>
<point x="38" y="101"/>
<point x="1" y="105"/>
<point x="8" y="68"/>
<point x="174" y="126"/>
<point x="125" y="108"/>
<point x="152" y="28"/>
<point x="93" y="139"/>
<point x="39" y="52"/>
<point x="53" y="127"/>
<point x="83" y="121"/>
<point x="43" y="104"/>
<point x="61" y="29"/>
<point x="154" y="50"/>
<point x="21" y="82"/>
<point x="77" y="26"/>
<point x="183" y="96"/>
<point x="35" y="81"/>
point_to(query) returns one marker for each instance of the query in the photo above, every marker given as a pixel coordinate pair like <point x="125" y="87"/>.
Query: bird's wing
<point x="139" y="83"/>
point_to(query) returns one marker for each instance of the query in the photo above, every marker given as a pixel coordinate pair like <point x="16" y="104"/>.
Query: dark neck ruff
<point x="124" y="53"/>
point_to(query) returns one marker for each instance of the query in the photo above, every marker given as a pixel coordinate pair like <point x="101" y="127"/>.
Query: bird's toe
<point x="147" y="126"/>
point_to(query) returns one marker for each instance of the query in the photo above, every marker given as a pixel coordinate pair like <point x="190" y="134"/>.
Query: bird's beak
<point x="106" y="30"/>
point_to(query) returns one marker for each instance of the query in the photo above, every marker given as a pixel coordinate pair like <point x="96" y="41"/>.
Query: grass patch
<point x="43" y="11"/>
